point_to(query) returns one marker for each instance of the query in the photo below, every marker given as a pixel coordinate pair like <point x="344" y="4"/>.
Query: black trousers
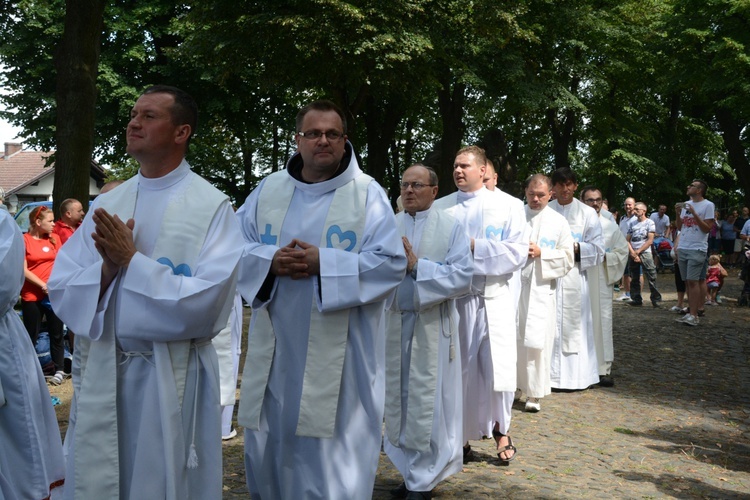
<point x="33" y="312"/>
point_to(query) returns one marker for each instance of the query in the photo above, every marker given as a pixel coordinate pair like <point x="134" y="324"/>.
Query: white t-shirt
<point x="691" y="236"/>
<point x="626" y="222"/>
<point x="661" y="224"/>
<point x="639" y="234"/>
<point x="746" y="228"/>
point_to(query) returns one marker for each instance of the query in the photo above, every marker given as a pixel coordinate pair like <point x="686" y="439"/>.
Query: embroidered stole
<point x="327" y="340"/>
<point x="429" y="325"/>
<point x="570" y="285"/>
<point x="178" y="246"/>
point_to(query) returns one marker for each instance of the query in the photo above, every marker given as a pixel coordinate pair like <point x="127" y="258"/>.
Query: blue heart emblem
<point x="341" y="238"/>
<point x="545" y="243"/>
<point x="494" y="233"/>
<point x="182" y="269"/>
<point x="577" y="237"/>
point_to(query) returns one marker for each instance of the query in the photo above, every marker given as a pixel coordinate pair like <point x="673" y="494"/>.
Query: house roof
<point x="23" y="168"/>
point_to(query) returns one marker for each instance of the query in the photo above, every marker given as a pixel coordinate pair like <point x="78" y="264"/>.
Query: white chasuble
<point x="145" y="345"/>
<point x="602" y="277"/>
<point x="586" y="231"/>
<point x="496" y="222"/>
<point x="31" y="455"/>
<point x="551" y="232"/>
<point x="424" y="415"/>
<point x="423" y="312"/>
<point x="326" y="346"/>
<point x="280" y="462"/>
<point x="573" y="364"/>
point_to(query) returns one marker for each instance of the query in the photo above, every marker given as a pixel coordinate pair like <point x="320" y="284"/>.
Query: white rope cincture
<point x="192" y="462"/>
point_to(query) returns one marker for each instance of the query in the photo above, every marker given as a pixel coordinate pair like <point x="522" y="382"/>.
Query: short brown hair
<point x="479" y="153"/>
<point x="322" y="105"/>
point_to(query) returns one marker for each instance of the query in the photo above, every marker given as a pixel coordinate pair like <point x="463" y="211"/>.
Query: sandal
<point x="468" y="454"/>
<point x="504" y="461"/>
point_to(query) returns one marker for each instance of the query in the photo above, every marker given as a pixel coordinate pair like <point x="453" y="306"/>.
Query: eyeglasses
<point x="314" y="135"/>
<point x="416" y="186"/>
<point x="593" y="200"/>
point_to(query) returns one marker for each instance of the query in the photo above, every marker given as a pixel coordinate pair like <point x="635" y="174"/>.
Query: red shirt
<point x="40" y="257"/>
<point x="63" y="232"/>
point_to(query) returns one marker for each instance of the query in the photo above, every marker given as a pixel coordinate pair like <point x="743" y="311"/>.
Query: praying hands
<point x="113" y="239"/>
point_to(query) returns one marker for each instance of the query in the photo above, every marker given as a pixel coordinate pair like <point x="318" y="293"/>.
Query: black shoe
<point x="655" y="304"/>
<point x="634" y="303"/>
<point x="606" y="381"/>
<point x="419" y="495"/>
<point x="400" y="491"/>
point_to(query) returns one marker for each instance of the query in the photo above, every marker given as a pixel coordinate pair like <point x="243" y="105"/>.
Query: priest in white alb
<point x="31" y="455"/>
<point x="423" y="416"/>
<point x="322" y="254"/>
<point x="146" y="283"/>
<point x="574" y="364"/>
<point x="550" y="257"/>
<point x="601" y="283"/>
<point x="496" y="226"/>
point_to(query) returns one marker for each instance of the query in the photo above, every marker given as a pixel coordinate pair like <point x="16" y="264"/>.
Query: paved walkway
<point x="676" y="424"/>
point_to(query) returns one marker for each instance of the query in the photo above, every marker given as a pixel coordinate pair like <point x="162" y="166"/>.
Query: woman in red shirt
<point x="41" y="250"/>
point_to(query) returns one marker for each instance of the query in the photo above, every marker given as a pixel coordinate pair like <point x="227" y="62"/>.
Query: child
<point x="715" y="275"/>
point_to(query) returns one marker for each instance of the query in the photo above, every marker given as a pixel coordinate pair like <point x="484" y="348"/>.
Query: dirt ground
<point x="648" y="437"/>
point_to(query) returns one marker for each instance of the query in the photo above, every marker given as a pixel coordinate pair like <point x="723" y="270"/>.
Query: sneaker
<point x="676" y="309"/>
<point x="57" y="378"/>
<point x="533" y="405"/>
<point x="518" y="395"/>
<point x="625" y="296"/>
<point x="718" y="299"/>
<point x="713" y="303"/>
<point x="707" y="303"/>
<point x="231" y="435"/>
<point x="690" y="320"/>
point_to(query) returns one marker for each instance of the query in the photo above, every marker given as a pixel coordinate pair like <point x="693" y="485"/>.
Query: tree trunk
<point x="451" y="99"/>
<point x="76" y="62"/>
<point x="381" y="121"/>
<point x="731" y="133"/>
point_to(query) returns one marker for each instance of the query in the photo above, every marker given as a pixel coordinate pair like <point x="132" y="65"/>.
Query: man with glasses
<point x="423" y="416"/>
<point x="640" y="238"/>
<point x="322" y="253"/>
<point x="601" y="281"/>
<point x="694" y="219"/>
<point x="496" y="226"/>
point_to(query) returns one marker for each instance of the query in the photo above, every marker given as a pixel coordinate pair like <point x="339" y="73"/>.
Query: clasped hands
<point x="298" y="260"/>
<point x="113" y="239"/>
<point x="534" y="250"/>
<point x="411" y="258"/>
